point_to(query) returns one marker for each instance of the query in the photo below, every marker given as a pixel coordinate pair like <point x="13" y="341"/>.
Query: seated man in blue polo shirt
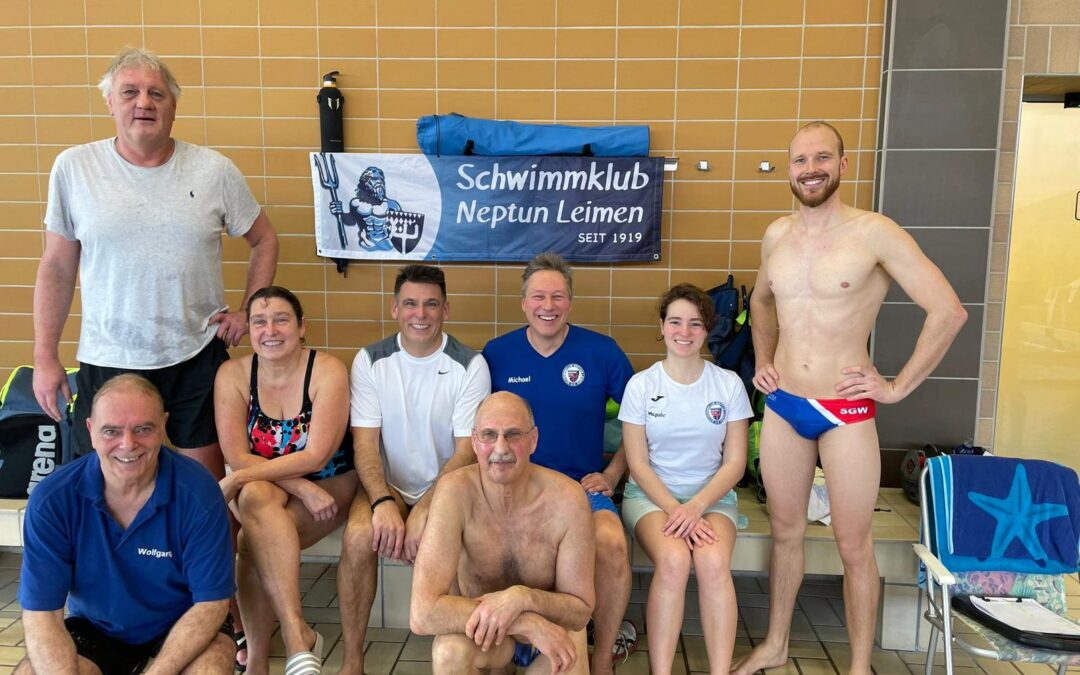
<point x="135" y="539"/>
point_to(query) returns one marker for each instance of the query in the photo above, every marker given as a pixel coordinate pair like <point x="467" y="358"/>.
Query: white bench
<point x="900" y="623"/>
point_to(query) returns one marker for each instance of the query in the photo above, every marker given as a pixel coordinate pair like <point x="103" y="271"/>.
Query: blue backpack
<point x="730" y="341"/>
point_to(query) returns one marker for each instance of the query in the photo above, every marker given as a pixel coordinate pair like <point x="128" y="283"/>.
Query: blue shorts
<point x="811" y="417"/>
<point x="598" y="501"/>
<point x="524" y="654"/>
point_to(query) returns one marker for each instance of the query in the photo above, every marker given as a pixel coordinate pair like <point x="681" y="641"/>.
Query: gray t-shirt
<point x="151" y="248"/>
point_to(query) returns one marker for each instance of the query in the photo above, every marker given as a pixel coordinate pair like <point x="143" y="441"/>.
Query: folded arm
<point x="190" y="636"/>
<point x="48" y="644"/>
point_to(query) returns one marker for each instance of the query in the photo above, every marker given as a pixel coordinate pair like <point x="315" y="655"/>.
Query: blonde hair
<point x="133" y="57"/>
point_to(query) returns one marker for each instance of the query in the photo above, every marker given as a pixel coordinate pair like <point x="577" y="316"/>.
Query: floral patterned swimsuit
<point x="269" y="437"/>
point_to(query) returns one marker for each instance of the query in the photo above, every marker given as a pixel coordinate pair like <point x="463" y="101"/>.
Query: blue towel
<point x="1004" y="514"/>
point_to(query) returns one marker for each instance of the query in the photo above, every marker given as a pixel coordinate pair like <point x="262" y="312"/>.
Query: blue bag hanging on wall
<point x="456" y="134"/>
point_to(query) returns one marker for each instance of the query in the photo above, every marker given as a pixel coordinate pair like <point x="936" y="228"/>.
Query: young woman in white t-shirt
<point x="685" y="432"/>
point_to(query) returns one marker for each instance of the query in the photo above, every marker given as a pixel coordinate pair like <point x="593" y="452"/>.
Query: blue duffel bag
<point x="456" y="134"/>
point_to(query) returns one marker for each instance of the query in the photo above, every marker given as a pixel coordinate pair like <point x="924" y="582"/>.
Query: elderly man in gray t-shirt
<point x="142" y="215"/>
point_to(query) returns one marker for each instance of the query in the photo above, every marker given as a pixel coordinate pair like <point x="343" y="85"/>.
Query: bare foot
<point x="763" y="657"/>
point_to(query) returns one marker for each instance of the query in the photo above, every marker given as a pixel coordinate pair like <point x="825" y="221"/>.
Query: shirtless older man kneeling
<point x="521" y="591"/>
<point x="824" y="273"/>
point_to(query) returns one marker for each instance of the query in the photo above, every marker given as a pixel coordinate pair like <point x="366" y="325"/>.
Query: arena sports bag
<point x="32" y="444"/>
<point x="456" y="134"/>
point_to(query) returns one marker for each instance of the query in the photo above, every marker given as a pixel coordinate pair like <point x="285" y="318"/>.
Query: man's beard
<point x="818" y="198"/>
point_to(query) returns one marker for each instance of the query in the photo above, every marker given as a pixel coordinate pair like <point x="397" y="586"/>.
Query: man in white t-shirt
<point x="414" y="397"/>
<point x="139" y="218"/>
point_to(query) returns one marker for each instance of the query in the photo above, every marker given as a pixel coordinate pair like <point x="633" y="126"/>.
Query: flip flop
<point x="307" y="663"/>
<point x="241" y="643"/>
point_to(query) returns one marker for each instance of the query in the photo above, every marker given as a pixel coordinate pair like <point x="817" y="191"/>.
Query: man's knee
<point x="357" y="538"/>
<point x="219" y="658"/>
<point x="856" y="550"/>
<point x="86" y="667"/>
<point x="787" y="527"/>
<point x="452" y="653"/>
<point x="612" y="552"/>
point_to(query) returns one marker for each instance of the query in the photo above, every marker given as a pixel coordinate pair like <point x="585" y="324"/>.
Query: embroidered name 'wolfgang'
<point x="154" y="553"/>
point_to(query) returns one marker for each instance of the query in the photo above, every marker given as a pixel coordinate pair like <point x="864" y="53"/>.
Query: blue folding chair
<point x="1028" y="532"/>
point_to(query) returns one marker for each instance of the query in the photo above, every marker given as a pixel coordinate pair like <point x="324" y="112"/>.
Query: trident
<point x="328" y="176"/>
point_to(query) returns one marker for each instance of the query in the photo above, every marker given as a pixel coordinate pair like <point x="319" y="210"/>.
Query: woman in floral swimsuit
<point x="282" y="416"/>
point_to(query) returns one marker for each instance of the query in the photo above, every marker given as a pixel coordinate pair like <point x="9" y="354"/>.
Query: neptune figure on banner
<point x="382" y="223"/>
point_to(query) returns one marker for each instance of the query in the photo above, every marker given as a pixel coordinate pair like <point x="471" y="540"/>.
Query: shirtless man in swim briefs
<point x="824" y="273"/>
<point x="521" y="590"/>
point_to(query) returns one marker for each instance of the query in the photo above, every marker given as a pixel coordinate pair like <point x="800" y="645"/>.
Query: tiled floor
<point x="818" y="637"/>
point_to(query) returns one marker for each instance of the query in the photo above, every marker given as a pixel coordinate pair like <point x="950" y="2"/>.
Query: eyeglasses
<point x="491" y="436"/>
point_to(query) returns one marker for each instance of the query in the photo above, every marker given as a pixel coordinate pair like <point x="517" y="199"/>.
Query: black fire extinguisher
<point x="332" y="128"/>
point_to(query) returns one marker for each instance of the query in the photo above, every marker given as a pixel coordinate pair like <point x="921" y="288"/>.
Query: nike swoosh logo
<point x="443" y="372"/>
<point x="654" y="399"/>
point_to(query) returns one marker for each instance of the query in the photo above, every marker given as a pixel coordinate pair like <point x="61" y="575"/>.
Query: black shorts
<point x="187" y="389"/>
<point x="116" y="657"/>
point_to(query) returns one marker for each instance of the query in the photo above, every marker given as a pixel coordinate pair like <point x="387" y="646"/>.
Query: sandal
<point x="307" y="663"/>
<point x="241" y="644"/>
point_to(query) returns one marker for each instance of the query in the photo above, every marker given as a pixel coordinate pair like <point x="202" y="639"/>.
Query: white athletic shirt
<point x="685" y="424"/>
<point x="420" y="404"/>
<point x="150" y="264"/>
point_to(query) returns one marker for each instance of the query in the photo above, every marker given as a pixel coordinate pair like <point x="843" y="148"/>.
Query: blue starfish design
<point x="1017" y="516"/>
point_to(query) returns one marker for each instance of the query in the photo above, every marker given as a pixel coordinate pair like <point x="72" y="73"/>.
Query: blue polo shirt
<point x="568" y="392"/>
<point x="132" y="584"/>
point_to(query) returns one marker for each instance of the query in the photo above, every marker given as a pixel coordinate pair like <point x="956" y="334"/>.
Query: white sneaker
<point x="625" y="641"/>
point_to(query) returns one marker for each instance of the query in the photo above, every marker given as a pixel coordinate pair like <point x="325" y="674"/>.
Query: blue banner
<point x="416" y="207"/>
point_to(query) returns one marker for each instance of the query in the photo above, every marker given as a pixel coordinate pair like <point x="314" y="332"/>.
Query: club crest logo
<point x="382" y="224"/>
<point x="715" y="412"/>
<point x="573" y="375"/>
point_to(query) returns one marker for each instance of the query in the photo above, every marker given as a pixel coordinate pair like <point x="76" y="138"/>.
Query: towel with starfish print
<point x="1005" y="514"/>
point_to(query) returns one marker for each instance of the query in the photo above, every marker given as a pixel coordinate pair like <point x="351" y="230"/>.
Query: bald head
<point x="505" y="402"/>
<point x="819" y="124"/>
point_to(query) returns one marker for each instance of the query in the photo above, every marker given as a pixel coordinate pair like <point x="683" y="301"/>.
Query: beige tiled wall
<point x="1044" y="38"/>
<point x="717" y="80"/>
